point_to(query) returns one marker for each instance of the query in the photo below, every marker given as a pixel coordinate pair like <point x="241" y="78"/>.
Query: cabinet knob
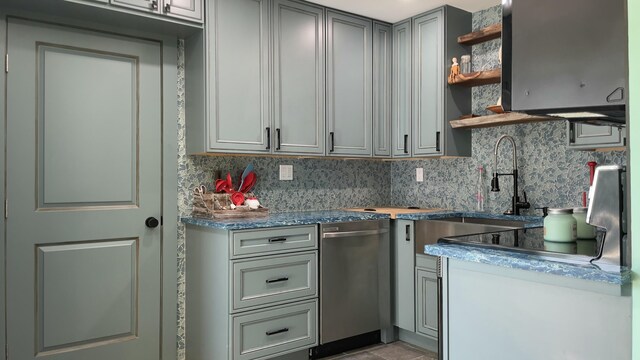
<point x="154" y="4"/>
<point x="151" y="222"/>
<point x="167" y="8"/>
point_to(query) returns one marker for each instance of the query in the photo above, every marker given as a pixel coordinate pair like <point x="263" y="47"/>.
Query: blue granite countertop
<point x="286" y="219"/>
<point x="532" y="221"/>
<point x="531" y="262"/>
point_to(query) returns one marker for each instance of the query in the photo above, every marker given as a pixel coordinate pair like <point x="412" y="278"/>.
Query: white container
<point x="585" y="231"/>
<point x="560" y="226"/>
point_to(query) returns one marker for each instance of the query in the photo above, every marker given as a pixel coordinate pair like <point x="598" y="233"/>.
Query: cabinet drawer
<point x="427" y="262"/>
<point x="274" y="279"/>
<point x="275" y="331"/>
<point x="273" y="240"/>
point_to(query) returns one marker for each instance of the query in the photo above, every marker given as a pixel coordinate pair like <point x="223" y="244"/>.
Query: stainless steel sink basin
<point x="429" y="231"/>
<point x="496" y="222"/>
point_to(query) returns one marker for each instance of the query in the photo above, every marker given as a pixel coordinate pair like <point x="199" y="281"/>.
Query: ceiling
<point x="396" y="10"/>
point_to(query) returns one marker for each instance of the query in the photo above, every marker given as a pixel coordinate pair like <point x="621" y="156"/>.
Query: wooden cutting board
<point x="393" y="211"/>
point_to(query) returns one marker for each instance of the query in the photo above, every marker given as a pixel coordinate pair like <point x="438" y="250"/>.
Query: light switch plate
<point x="286" y="172"/>
<point x="419" y="174"/>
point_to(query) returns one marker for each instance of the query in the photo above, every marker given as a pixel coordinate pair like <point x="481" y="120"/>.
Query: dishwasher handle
<point x="340" y="234"/>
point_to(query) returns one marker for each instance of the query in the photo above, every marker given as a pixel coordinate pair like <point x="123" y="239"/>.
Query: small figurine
<point x="455" y="70"/>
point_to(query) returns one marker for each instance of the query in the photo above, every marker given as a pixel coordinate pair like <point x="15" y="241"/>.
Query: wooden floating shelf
<point x="489" y="33"/>
<point x="478" y="78"/>
<point x="509" y="118"/>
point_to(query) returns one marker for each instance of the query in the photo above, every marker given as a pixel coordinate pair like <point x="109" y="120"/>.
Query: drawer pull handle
<point x="271" y="281"/>
<point x="273" y="332"/>
<point x="277" y="240"/>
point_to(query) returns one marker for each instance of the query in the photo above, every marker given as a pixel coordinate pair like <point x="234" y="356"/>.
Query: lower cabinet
<point x="251" y="294"/>
<point x="427" y="302"/>
<point x="414" y="287"/>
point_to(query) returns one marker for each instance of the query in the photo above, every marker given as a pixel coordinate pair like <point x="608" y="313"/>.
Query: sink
<point x="430" y="231"/>
<point x="496" y="222"/>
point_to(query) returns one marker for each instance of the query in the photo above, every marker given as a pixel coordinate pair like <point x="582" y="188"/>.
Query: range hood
<point x="566" y="59"/>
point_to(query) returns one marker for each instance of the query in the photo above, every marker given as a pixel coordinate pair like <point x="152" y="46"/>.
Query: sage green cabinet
<point x="426" y="301"/>
<point x="401" y="90"/>
<point x="589" y="137"/>
<point x="184" y="9"/>
<point x="251" y="294"/>
<point x="382" y="58"/>
<point x="403" y="275"/>
<point x="299" y="78"/>
<point x="349" y="84"/>
<point x="434" y="101"/>
<point x="238" y="76"/>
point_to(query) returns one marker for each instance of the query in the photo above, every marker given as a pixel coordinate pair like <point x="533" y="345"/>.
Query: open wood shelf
<point x="509" y="118"/>
<point x="478" y="78"/>
<point x="489" y="33"/>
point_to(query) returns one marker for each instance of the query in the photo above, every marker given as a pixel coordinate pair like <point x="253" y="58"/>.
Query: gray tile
<point x="397" y="351"/>
<point x="365" y="355"/>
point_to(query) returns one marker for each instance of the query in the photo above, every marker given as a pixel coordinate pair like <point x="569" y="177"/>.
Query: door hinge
<point x="6" y="63"/>
<point x="6" y="209"/>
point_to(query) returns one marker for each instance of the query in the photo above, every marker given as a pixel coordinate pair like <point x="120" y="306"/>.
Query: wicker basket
<point x="218" y="206"/>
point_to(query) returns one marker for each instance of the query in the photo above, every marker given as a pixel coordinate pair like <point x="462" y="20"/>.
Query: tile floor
<point x="395" y="351"/>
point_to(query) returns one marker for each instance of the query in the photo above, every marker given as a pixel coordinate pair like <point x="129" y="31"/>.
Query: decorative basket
<point x="218" y="206"/>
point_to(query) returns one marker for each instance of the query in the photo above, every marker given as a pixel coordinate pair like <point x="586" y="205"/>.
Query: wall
<point x="550" y="174"/>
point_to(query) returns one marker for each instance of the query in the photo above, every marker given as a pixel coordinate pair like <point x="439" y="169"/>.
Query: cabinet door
<point x="583" y="136"/>
<point x="426" y="303"/>
<point x="238" y="113"/>
<point x="401" y="89"/>
<point x="183" y="9"/>
<point x="349" y="76"/>
<point x="381" y="89"/>
<point x="299" y="77"/>
<point x="152" y="6"/>
<point x="403" y="275"/>
<point x="428" y="83"/>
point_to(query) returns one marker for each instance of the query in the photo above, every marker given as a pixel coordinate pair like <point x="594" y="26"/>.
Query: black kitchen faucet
<point x="516" y="204"/>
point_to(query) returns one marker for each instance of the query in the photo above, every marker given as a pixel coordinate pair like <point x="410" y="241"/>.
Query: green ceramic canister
<point x="585" y="231"/>
<point x="560" y="226"/>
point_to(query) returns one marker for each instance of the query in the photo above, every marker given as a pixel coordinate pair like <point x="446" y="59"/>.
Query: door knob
<point x="151" y="222"/>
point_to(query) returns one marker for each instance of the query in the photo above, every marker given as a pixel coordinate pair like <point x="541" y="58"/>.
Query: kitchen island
<point x="501" y="302"/>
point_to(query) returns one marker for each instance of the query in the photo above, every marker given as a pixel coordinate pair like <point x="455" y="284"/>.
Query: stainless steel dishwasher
<point x="355" y="295"/>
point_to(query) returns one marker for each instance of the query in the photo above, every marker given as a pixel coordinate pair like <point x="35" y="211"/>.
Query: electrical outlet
<point x="419" y="174"/>
<point x="286" y="172"/>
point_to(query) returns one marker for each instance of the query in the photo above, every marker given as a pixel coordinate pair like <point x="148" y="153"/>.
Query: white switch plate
<point x="286" y="172"/>
<point x="419" y="174"/>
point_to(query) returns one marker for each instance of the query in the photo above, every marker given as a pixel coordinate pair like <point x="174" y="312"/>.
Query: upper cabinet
<point x="239" y="113"/>
<point x="299" y="77"/>
<point x="590" y="137"/>
<point x="190" y="10"/>
<point x="349" y="84"/>
<point x="423" y="102"/>
<point x="266" y="67"/>
<point x="382" y="60"/>
<point x="401" y="90"/>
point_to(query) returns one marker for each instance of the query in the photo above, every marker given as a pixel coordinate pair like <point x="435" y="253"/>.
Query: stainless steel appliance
<point x="607" y="211"/>
<point x="355" y="295"/>
<point x="556" y="62"/>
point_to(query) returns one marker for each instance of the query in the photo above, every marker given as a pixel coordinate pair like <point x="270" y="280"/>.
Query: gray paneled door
<point x="83" y="173"/>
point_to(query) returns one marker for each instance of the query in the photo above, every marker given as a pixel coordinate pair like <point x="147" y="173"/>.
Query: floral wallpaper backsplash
<point x="551" y="174"/>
